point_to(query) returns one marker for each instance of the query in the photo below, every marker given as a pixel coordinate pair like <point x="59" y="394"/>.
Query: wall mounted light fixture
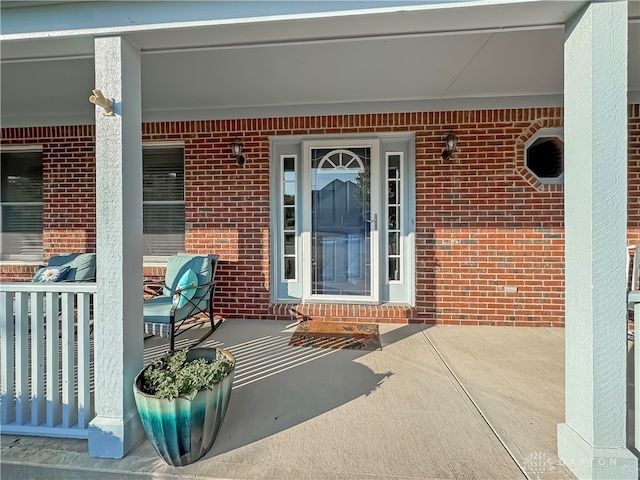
<point x="105" y="103"/>
<point x="451" y="143"/>
<point x="236" y="151"/>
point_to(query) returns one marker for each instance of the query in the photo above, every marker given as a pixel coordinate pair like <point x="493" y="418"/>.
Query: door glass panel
<point x="289" y="243"/>
<point x="394" y="268"/>
<point x="340" y="221"/>
<point x="289" y="218"/>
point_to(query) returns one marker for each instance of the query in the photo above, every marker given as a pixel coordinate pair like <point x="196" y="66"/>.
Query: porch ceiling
<point x="467" y="55"/>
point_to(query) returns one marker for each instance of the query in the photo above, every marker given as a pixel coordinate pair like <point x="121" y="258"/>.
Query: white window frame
<point x="283" y="231"/>
<point x="18" y="258"/>
<point x="401" y="206"/>
<point x="150" y="260"/>
<point x="544" y="133"/>
<point x="307" y="146"/>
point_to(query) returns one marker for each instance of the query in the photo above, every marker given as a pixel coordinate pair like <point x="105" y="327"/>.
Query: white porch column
<point x="118" y="310"/>
<point x="592" y="441"/>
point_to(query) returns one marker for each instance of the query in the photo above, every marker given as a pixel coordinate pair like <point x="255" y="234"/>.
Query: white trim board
<point x="311" y="110"/>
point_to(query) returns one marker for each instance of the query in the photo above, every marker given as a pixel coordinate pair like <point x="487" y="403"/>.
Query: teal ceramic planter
<point x="182" y="430"/>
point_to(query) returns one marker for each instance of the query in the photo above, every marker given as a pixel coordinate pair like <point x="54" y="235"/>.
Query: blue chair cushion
<point x="188" y="279"/>
<point x="157" y="309"/>
<point x="50" y="274"/>
<point x="82" y="266"/>
<point x="177" y="265"/>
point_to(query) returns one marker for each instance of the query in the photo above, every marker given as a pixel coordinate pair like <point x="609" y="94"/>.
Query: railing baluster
<point x="7" y="377"/>
<point x="53" y="361"/>
<point x="636" y="374"/>
<point x="22" y="358"/>
<point x="84" y="394"/>
<point x="69" y="409"/>
<point x="38" y="400"/>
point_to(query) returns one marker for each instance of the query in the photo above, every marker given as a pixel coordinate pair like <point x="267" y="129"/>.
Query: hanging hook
<point x="105" y="103"/>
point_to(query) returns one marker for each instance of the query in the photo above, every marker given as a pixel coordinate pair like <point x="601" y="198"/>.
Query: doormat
<point x="354" y="336"/>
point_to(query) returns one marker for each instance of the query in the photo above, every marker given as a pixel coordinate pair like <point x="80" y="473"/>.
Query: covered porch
<point x="433" y="59"/>
<point x="435" y="402"/>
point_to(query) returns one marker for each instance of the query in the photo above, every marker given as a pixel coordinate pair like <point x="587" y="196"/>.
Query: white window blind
<point x="163" y="200"/>
<point x="21" y="205"/>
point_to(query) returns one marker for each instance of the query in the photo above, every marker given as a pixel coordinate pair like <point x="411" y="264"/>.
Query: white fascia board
<point x="113" y="18"/>
<point x="285" y="111"/>
<point x="355" y="108"/>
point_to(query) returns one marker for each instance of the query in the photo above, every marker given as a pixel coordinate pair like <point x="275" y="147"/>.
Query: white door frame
<point x="374" y="145"/>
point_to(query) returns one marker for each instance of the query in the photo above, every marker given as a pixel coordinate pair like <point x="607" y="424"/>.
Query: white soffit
<point x="349" y="63"/>
<point x="393" y="69"/>
<point x="521" y="63"/>
<point x="30" y="26"/>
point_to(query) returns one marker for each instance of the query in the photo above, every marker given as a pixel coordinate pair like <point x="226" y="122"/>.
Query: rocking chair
<point x="188" y="291"/>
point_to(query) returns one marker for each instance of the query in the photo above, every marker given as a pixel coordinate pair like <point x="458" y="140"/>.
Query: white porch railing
<point x="634" y="300"/>
<point x="45" y="359"/>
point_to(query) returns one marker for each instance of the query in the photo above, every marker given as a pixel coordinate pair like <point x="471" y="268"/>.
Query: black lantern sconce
<point x="451" y="143"/>
<point x="236" y="151"/>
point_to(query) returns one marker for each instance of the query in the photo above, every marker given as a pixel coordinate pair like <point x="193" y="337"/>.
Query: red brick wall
<point x="484" y="225"/>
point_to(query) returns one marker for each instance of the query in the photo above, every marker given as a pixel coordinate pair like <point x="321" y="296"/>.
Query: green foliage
<point x="363" y="192"/>
<point x="172" y="376"/>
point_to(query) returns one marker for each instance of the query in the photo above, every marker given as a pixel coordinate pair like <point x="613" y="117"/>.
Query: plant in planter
<point x="182" y="399"/>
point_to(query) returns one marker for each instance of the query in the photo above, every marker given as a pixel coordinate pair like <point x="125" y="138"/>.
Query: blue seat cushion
<point x="157" y="309"/>
<point x="82" y="266"/>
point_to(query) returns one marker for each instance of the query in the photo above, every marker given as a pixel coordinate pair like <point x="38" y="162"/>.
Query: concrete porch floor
<point x="435" y="403"/>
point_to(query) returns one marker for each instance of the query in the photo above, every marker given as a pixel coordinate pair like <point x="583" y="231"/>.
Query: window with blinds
<point x="163" y="200"/>
<point x="21" y="205"/>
